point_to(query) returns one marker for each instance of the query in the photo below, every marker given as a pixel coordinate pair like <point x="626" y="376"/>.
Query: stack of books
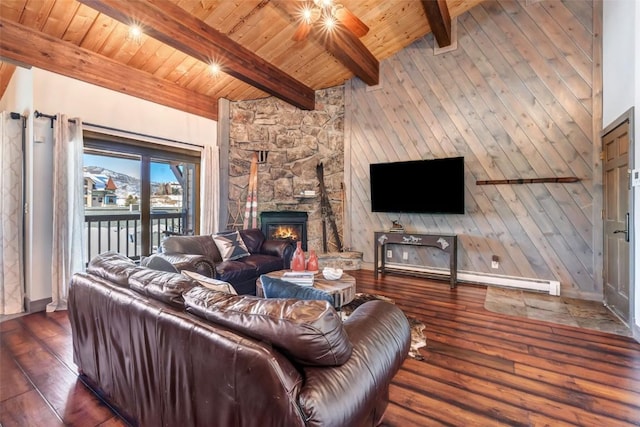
<point x="302" y="278"/>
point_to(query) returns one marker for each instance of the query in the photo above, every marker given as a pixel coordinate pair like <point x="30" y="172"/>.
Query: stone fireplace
<point x="296" y="141"/>
<point x="285" y="225"/>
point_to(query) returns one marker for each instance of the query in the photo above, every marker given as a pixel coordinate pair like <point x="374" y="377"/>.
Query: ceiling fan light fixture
<point x="329" y="22"/>
<point x="323" y="3"/>
<point x="309" y="14"/>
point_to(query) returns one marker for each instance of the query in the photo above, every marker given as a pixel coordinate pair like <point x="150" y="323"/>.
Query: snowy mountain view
<point x="163" y="193"/>
<point x="125" y="185"/>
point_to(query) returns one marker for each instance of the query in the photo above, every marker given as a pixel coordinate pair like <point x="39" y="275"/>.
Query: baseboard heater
<point x="552" y="287"/>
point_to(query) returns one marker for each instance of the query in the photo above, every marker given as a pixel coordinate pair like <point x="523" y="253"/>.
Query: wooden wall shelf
<point x="561" y="180"/>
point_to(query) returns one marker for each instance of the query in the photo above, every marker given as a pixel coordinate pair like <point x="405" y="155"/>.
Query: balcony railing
<point x="122" y="232"/>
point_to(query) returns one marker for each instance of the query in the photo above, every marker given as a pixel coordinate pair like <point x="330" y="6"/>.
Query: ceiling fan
<point x="328" y="13"/>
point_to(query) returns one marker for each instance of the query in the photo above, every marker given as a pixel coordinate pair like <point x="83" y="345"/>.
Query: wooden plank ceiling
<point x="252" y="41"/>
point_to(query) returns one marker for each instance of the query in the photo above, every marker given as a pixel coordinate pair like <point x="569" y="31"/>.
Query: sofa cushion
<point x="235" y="271"/>
<point x="311" y="332"/>
<point x="160" y="285"/>
<point x="278" y="288"/>
<point x="112" y="266"/>
<point x="198" y="245"/>
<point x="230" y="246"/>
<point x="253" y="239"/>
<point x="263" y="263"/>
<point x="209" y="283"/>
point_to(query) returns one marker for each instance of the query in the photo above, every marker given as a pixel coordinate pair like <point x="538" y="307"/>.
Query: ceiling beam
<point x="175" y="27"/>
<point x="23" y="44"/>
<point x="352" y="53"/>
<point x="439" y="20"/>
<point x="342" y="44"/>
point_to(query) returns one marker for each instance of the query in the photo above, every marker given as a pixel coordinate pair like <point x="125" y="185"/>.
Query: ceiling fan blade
<point x="351" y="21"/>
<point x="302" y="31"/>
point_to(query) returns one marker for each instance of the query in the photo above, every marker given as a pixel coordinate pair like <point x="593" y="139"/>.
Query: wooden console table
<point x="445" y="242"/>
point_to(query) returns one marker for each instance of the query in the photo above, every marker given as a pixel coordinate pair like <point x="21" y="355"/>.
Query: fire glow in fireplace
<point x="285" y="225"/>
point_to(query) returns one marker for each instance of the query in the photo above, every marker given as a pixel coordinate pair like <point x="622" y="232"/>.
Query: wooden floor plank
<point x="28" y="409"/>
<point x="478" y="368"/>
<point x="13" y="382"/>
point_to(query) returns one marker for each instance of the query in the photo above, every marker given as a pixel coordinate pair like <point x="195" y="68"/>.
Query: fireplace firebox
<point x="285" y="225"/>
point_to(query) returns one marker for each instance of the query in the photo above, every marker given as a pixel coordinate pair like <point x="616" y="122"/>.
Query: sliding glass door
<point x="136" y="193"/>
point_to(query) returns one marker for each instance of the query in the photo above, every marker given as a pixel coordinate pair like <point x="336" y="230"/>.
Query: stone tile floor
<point x="549" y="308"/>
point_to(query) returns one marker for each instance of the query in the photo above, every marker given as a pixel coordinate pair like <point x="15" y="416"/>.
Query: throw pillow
<point x="277" y="288"/>
<point x="230" y="246"/>
<point x="209" y="283"/>
<point x="158" y="263"/>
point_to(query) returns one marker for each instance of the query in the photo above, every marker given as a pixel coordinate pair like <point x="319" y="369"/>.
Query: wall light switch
<point x="635" y="177"/>
<point x="405" y="255"/>
<point x="389" y="253"/>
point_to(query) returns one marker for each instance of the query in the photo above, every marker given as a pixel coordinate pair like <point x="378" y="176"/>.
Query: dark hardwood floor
<point x="479" y="368"/>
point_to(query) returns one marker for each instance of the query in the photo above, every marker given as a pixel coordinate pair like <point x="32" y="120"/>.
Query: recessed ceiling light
<point x="135" y="33"/>
<point x="215" y="69"/>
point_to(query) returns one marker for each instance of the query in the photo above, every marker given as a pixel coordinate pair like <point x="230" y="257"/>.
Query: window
<point x="136" y="193"/>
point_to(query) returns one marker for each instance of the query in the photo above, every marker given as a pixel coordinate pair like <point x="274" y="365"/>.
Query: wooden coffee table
<point x="343" y="290"/>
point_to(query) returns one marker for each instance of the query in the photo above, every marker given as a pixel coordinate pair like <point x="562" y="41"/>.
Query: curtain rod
<point x="38" y="114"/>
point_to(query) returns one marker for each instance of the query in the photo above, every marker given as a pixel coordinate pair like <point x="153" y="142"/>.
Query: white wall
<point x="49" y="93"/>
<point x="54" y="93"/>
<point x="621" y="91"/>
<point x="18" y="95"/>
<point x="636" y="193"/>
<point x="618" y="76"/>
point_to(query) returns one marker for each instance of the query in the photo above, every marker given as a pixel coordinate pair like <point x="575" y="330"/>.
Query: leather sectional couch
<point x="165" y="351"/>
<point x="200" y="254"/>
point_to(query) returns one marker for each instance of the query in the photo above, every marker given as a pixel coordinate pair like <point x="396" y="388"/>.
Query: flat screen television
<point x="433" y="186"/>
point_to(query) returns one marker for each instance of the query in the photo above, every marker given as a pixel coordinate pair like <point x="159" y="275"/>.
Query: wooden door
<point x="616" y="183"/>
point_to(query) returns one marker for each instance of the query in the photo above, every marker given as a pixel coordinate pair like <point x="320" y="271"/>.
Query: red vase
<point x="297" y="260"/>
<point x="312" y="264"/>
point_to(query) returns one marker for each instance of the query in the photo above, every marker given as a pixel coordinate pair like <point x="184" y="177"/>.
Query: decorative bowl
<point x="330" y="273"/>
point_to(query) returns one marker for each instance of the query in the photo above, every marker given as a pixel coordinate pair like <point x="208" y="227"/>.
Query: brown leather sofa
<point x="200" y="254"/>
<point x="165" y="351"/>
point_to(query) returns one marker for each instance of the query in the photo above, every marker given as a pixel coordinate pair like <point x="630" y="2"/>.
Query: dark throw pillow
<point x="278" y="288"/>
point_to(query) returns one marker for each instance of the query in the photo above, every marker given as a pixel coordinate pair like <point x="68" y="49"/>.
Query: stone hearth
<point x="345" y="260"/>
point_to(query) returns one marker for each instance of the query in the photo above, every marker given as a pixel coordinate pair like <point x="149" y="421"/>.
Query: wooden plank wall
<point x="515" y="99"/>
